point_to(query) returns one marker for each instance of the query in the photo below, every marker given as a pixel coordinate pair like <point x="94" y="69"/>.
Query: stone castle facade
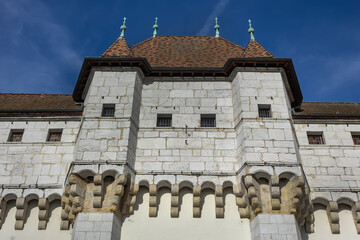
<point x="180" y="137"/>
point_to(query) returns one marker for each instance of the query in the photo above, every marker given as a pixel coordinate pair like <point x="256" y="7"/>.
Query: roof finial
<point x="123" y="28"/>
<point x="217" y="27"/>
<point x="155" y="27"/>
<point x="251" y="31"/>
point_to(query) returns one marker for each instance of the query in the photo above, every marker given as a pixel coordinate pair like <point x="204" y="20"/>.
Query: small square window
<point x="54" y="135"/>
<point x="264" y="111"/>
<point x="16" y="135"/>
<point x="108" y="110"/>
<point x="208" y="120"/>
<point x="163" y="120"/>
<point x="315" y="138"/>
<point x="356" y="138"/>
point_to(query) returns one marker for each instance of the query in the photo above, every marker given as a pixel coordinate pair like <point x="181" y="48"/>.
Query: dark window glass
<point x="264" y="111"/>
<point x="163" y="120"/>
<point x="315" y="138"/>
<point x="356" y="138"/>
<point x="54" y="135"/>
<point x="16" y="135"/>
<point x="208" y="120"/>
<point x="108" y="110"/>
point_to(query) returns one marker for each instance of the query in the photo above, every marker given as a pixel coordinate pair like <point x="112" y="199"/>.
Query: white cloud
<point x="210" y="21"/>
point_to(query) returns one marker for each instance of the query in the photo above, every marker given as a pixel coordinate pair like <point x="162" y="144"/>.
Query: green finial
<point x="251" y="31"/>
<point x="155" y="27"/>
<point x="217" y="27"/>
<point x="123" y="28"/>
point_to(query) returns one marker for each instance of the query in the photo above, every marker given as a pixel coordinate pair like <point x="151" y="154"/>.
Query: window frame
<point x="356" y="135"/>
<point x="54" y="131"/>
<point x="15" y="131"/>
<point x="163" y="117"/>
<point x="262" y="108"/>
<point x="316" y="134"/>
<point x="204" y="117"/>
<point x="108" y="106"/>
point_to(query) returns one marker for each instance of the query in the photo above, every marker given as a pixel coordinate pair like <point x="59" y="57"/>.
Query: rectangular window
<point x="108" y="110"/>
<point x="54" y="135"/>
<point x="264" y="111"/>
<point x="356" y="138"/>
<point x="16" y="135"/>
<point x="315" y="138"/>
<point x="164" y="120"/>
<point x="208" y="120"/>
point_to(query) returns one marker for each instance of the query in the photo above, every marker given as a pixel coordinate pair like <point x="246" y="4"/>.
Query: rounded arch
<point x="54" y="197"/>
<point x="262" y="177"/>
<point x="10" y="196"/>
<point x="32" y="196"/>
<point x="345" y="201"/>
<point x="320" y="201"/>
<point x="86" y="173"/>
<point x="287" y="175"/>
<point x="144" y="183"/>
<point x="208" y="185"/>
<point x="186" y="184"/>
<point x="163" y="184"/>
<point x="227" y="184"/>
<point x="110" y="173"/>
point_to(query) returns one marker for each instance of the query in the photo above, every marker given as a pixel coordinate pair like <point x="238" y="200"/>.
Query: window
<point x="16" y="135"/>
<point x="264" y="111"/>
<point x="54" y="135"/>
<point x="164" y="120"/>
<point x="208" y="120"/>
<point x="315" y="138"/>
<point x="108" y="110"/>
<point x="356" y="138"/>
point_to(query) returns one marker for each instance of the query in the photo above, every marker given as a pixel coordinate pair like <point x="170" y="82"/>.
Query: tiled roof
<point x="255" y="50"/>
<point x="329" y="108"/>
<point x="119" y="48"/>
<point x="38" y="105"/>
<point x="186" y="51"/>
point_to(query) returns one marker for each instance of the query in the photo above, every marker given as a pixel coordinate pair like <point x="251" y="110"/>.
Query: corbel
<point x="66" y="205"/>
<point x="117" y="191"/>
<point x="3" y="205"/>
<point x="43" y="213"/>
<point x="197" y="201"/>
<point x="275" y="193"/>
<point x="219" y="201"/>
<point x="253" y="193"/>
<point x="130" y="199"/>
<point x="332" y="210"/>
<point x="98" y="191"/>
<point x="355" y="210"/>
<point x="20" y="215"/>
<point x="152" y="200"/>
<point x="174" y="200"/>
<point x="242" y="200"/>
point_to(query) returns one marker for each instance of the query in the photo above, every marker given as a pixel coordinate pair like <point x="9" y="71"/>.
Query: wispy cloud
<point x="35" y="48"/>
<point x="210" y="21"/>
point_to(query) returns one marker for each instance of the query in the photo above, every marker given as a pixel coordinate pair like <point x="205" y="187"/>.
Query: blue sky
<point x="43" y="43"/>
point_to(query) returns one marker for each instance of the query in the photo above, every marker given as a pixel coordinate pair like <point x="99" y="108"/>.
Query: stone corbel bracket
<point x="129" y="199"/>
<point x="98" y="191"/>
<point x="3" y="205"/>
<point x="44" y="206"/>
<point x="275" y="193"/>
<point x="253" y="193"/>
<point x="174" y="200"/>
<point x="20" y="215"/>
<point x="219" y="201"/>
<point x="152" y="200"/>
<point x="355" y="210"/>
<point x="332" y="210"/>
<point x="197" y="201"/>
<point x="242" y="201"/>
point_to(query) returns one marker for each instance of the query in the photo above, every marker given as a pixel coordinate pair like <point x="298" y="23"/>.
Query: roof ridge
<point x="148" y="39"/>
<point x="231" y="42"/>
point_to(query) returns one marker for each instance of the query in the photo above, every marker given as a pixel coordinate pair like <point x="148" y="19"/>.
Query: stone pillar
<point x="96" y="226"/>
<point x="275" y="226"/>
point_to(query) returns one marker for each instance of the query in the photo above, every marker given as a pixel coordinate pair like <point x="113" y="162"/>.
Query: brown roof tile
<point x="119" y="48"/>
<point x="329" y="108"/>
<point x="38" y="103"/>
<point x="255" y="50"/>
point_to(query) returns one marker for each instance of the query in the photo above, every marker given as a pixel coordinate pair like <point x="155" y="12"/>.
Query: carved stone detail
<point x="275" y="193"/>
<point x="253" y="194"/>
<point x="98" y="191"/>
<point x="43" y="213"/>
<point x="197" y="201"/>
<point x="332" y="210"/>
<point x="242" y="201"/>
<point x="355" y="210"/>
<point x="3" y="205"/>
<point x="152" y="200"/>
<point x="174" y="200"/>
<point x="219" y="201"/>
<point x="21" y="210"/>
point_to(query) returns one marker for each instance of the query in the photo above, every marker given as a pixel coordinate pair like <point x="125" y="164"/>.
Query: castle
<point x="180" y="137"/>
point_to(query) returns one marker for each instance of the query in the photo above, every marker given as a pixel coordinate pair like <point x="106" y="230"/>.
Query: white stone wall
<point x="334" y="164"/>
<point x="110" y="138"/>
<point x="34" y="161"/>
<point x="186" y="149"/>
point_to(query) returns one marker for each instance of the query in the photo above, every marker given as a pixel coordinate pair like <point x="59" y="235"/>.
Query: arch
<point x="288" y="175"/>
<point x="85" y="173"/>
<point x="320" y="201"/>
<point x="260" y="176"/>
<point x="110" y="172"/>
<point x="345" y="201"/>
<point x="32" y="196"/>
<point x="227" y="184"/>
<point x="163" y="184"/>
<point x="208" y="185"/>
<point x="54" y="197"/>
<point x="144" y="183"/>
<point x="10" y="196"/>
<point x="186" y="184"/>
<point x="262" y="172"/>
